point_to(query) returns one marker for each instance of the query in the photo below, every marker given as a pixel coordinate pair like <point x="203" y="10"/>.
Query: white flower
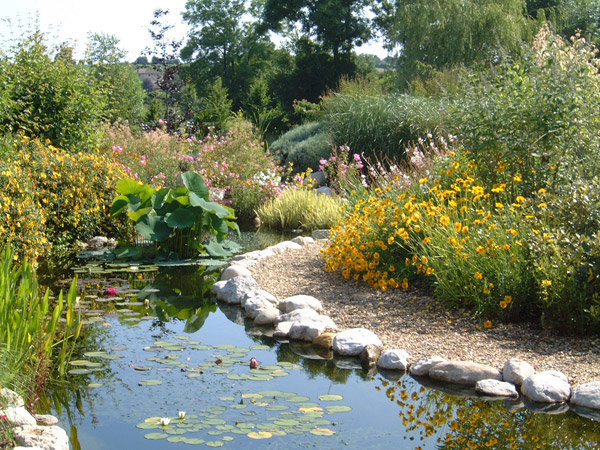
<point x="181" y="415"/>
<point x="164" y="421"/>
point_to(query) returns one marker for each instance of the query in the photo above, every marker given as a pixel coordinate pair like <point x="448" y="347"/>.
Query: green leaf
<point x="181" y="218"/>
<point x="153" y="228"/>
<point x="195" y="184"/>
<point x="180" y="195"/>
<point x="129" y="187"/>
<point x="118" y="205"/>
<point x="211" y="207"/>
<point x="216" y="250"/>
<point x="158" y="199"/>
<point x="137" y="215"/>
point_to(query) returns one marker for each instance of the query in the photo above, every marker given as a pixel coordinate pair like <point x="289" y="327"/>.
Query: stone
<point x="8" y="397"/>
<point x="235" y="290"/>
<point x="369" y="355"/>
<point x="267" y="316"/>
<point x="550" y="386"/>
<point x="394" y="359"/>
<point x="310" y="329"/>
<point x="298" y="315"/>
<point x="515" y="370"/>
<point x="325" y="190"/>
<point x="318" y="177"/>
<point x="284" y="246"/>
<point x="19" y="447"/>
<point x="98" y="242"/>
<point x="256" y="255"/>
<point x="49" y="438"/>
<point x="299" y="302"/>
<point x="303" y="240"/>
<point x="587" y="395"/>
<point x="46" y="420"/>
<point x="17" y="415"/>
<point x="255" y="304"/>
<point x="496" y="388"/>
<point x="347" y="363"/>
<point x="282" y="330"/>
<point x="352" y="342"/>
<point x="320" y="234"/>
<point x="235" y="270"/>
<point x="421" y="367"/>
<point x="324" y="340"/>
<point x="463" y="372"/>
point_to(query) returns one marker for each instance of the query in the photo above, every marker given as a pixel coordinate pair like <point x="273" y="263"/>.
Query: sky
<point x="72" y="20"/>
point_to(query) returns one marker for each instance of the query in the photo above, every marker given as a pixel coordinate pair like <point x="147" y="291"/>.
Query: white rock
<point x="308" y="330"/>
<point x="587" y="395"/>
<point x="9" y="397"/>
<point x="393" y="360"/>
<point x="256" y="255"/>
<point x="264" y="295"/>
<point x="235" y="290"/>
<point x="320" y="234"/>
<point x="303" y="240"/>
<point x="547" y="387"/>
<point x="17" y="415"/>
<point x="515" y="370"/>
<point x="19" y="447"/>
<point x="282" y="330"/>
<point x="298" y="315"/>
<point x="421" y="367"/>
<point x="235" y="270"/>
<point x="255" y="304"/>
<point x="352" y="342"/>
<point x="284" y="246"/>
<point x="300" y="301"/>
<point x="496" y="388"/>
<point x="248" y="262"/>
<point x="46" y="419"/>
<point x="49" y="438"/>
<point x="463" y="372"/>
<point x="266" y="316"/>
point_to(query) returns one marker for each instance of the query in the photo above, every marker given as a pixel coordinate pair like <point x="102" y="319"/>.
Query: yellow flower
<point x="405" y="283"/>
<point x="444" y="220"/>
<point x="507" y="299"/>
<point x="517" y="178"/>
<point x="457" y="227"/>
<point x="480" y="250"/>
<point x="542" y="191"/>
<point x="546" y="283"/>
<point x="543" y="205"/>
<point x="426" y="240"/>
<point x="503" y="304"/>
<point x="487" y="324"/>
<point x="499" y="205"/>
<point x="478" y="275"/>
<point x="423" y="180"/>
<point x="486" y="291"/>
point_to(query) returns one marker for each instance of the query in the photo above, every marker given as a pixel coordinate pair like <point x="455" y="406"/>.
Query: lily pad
<point x="175" y="439"/>
<point x="95" y="385"/>
<point x="277" y="407"/>
<point x="227" y="438"/>
<point x="150" y="382"/>
<point x="215" y="443"/>
<point x="82" y="371"/>
<point x="103" y="355"/>
<point x="85" y="363"/>
<point x="260" y="435"/>
<point x="322" y="432"/>
<point x="330" y="398"/>
<point x="156" y="436"/>
<point x="260" y="347"/>
<point x="227" y="399"/>
<point x="195" y="441"/>
<point x="338" y="409"/>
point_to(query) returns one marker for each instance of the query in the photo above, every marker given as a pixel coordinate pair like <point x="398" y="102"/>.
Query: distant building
<point x="150" y="78"/>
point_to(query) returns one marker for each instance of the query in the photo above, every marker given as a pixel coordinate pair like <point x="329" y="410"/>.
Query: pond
<point x="162" y="346"/>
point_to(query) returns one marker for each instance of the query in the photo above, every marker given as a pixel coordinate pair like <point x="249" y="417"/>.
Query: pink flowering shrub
<point x="341" y="167"/>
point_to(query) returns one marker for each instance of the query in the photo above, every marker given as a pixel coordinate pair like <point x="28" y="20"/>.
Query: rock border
<point x="298" y="319"/>
<point x="34" y="432"/>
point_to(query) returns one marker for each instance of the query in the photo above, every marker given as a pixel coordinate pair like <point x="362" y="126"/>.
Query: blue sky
<point x="72" y="20"/>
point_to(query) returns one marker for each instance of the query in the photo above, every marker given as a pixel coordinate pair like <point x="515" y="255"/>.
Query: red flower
<point x="110" y="292"/>
<point x="3" y="418"/>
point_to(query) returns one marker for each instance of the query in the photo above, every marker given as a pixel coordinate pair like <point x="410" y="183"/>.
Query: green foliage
<point x="32" y="333"/>
<point x="300" y="209"/>
<point x="216" y="106"/>
<point x="57" y="100"/>
<point x="177" y="220"/>
<point x="303" y="146"/>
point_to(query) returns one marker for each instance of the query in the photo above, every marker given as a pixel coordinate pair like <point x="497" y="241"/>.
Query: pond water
<point x="162" y="346"/>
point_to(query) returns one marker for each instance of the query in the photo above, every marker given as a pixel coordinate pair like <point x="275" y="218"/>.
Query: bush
<point x="55" y="99"/>
<point x="304" y="209"/>
<point x="303" y="146"/>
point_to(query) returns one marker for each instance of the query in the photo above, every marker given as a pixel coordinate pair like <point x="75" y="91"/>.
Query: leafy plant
<point x="177" y="220"/>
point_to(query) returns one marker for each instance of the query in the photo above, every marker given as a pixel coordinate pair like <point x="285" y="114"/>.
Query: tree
<point x="442" y="33"/>
<point x="104" y="49"/>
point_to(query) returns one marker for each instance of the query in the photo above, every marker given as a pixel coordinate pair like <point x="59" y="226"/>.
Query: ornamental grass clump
<point x="304" y="209"/>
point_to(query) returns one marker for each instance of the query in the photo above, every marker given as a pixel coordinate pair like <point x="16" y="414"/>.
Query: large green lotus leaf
<point x="216" y="250"/>
<point x="180" y="195"/>
<point x="211" y="207"/>
<point x="158" y="198"/>
<point x="138" y="213"/>
<point x="181" y="218"/>
<point x="153" y="228"/>
<point x="220" y="225"/>
<point x="118" y="205"/>
<point x="129" y="186"/>
<point x="195" y="183"/>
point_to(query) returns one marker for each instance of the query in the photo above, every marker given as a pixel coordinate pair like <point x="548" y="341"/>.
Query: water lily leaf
<point x="196" y="441"/>
<point x="270" y="367"/>
<point x="95" y="385"/>
<point x="330" y="398"/>
<point x="156" y="436"/>
<point x="175" y="439"/>
<point x="142" y="368"/>
<point x="150" y="382"/>
<point x="215" y="432"/>
<point x="260" y="347"/>
<point x="311" y="409"/>
<point x="277" y="407"/>
<point x="148" y="425"/>
<point x="227" y="438"/>
<point x="220" y="371"/>
<point x="103" y="355"/>
<point x="259" y="377"/>
<point x="322" y="432"/>
<point x="175" y="431"/>
<point x="118" y="349"/>
<point x="260" y="435"/>
<point x="279" y="373"/>
<point x="238" y="406"/>
<point x="298" y="399"/>
<point x="200" y="347"/>
<point x="235" y="376"/>
<point x="286" y="422"/>
<point x="215" y="443"/>
<point x="227" y="399"/>
<point x="251" y="395"/>
<point x="182" y="338"/>
<point x="82" y="371"/>
<point x="272" y="393"/>
<point x="338" y="409"/>
<point x="214" y="421"/>
<point x="85" y="363"/>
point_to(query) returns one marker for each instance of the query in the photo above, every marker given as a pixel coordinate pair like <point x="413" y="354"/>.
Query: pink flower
<point x="356" y="157"/>
<point x="110" y="292"/>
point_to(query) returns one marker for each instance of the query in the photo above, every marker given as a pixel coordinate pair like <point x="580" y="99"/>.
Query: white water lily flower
<point x="164" y="421"/>
<point x="181" y="415"/>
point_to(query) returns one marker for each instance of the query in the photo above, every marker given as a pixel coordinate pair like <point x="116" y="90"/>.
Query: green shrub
<point x="303" y="146"/>
<point x="304" y="209"/>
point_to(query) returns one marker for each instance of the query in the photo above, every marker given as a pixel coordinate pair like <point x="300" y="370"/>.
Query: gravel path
<point x="416" y="323"/>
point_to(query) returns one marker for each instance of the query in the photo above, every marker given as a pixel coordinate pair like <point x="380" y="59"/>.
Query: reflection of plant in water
<point x="474" y="423"/>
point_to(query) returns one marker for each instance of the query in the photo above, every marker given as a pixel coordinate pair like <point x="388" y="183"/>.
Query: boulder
<point x="318" y="177"/>
<point x="421" y="367"/>
<point x="324" y="340"/>
<point x="309" y="330"/>
<point x="46" y="420"/>
<point x="299" y="302"/>
<point x="235" y="290"/>
<point x="255" y="304"/>
<point x="100" y="242"/>
<point x="17" y="415"/>
<point x="325" y="190"/>
<point x="320" y="234"/>
<point x="393" y="360"/>
<point x="282" y="330"/>
<point x="369" y="355"/>
<point x="352" y="342"/>
<point x="463" y="372"/>
<point x="284" y="246"/>
<point x="550" y="386"/>
<point x="49" y="438"/>
<point x="515" y="370"/>
<point x="264" y="295"/>
<point x="235" y="270"/>
<point x="298" y="315"/>
<point x="496" y="388"/>
<point x="8" y="397"/>
<point x="256" y="255"/>
<point x="587" y="395"/>
<point x="266" y="316"/>
<point x="303" y="240"/>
